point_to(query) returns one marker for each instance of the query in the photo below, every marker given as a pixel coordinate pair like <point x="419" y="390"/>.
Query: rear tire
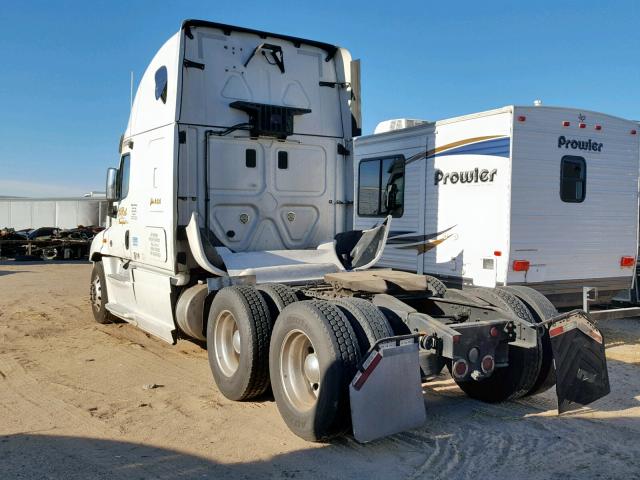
<point x="514" y="381"/>
<point x="238" y="335"/>
<point x="313" y="356"/>
<point x="436" y="286"/>
<point x="277" y="296"/>
<point x="397" y="324"/>
<point x="541" y="309"/>
<point x="98" y="295"/>
<point x="368" y="323"/>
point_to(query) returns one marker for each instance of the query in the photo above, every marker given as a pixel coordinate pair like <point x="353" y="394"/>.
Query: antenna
<point x="131" y="91"/>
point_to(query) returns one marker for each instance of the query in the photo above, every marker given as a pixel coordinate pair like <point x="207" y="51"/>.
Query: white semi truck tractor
<point x="231" y="224"/>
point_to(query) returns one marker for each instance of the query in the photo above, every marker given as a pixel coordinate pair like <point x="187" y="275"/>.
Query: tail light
<point x="488" y="364"/>
<point x="582" y="125"/>
<point x="460" y="368"/>
<point x="522" y="118"/>
<point x="633" y="132"/>
<point x="497" y="253"/>
<point x="566" y="123"/>
<point x="627" y="261"/>
<point x="598" y="127"/>
<point x="521" y="265"/>
<point x="494" y="332"/>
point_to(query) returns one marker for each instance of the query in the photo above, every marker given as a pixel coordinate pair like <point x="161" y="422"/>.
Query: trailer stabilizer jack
<point x="386" y="393"/>
<point x="580" y="361"/>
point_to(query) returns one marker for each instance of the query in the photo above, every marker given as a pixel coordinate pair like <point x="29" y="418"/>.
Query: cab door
<point x="118" y="271"/>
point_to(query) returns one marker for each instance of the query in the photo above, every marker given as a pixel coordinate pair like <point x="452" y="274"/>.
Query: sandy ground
<point x="73" y="405"/>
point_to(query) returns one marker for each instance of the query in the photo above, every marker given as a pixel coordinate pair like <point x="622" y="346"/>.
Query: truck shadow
<point x="10" y="272"/>
<point x="64" y="457"/>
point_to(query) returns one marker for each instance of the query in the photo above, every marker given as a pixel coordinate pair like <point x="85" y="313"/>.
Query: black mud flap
<point x="581" y="365"/>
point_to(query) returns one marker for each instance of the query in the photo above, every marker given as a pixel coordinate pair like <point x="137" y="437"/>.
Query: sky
<point x="65" y="66"/>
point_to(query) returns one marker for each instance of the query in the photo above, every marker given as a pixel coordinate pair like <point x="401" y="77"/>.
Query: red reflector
<point x="598" y="127"/>
<point x="522" y="118"/>
<point x="497" y="253"/>
<point x="582" y="125"/>
<point x="627" y="261"/>
<point x="494" y="332"/>
<point x="456" y="339"/>
<point x="633" y="132"/>
<point x="460" y="368"/>
<point x="555" y="331"/>
<point x="520" y="265"/>
<point x="566" y="124"/>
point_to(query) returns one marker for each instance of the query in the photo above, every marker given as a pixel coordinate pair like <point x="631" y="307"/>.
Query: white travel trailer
<point x="538" y="196"/>
<point x="231" y="209"/>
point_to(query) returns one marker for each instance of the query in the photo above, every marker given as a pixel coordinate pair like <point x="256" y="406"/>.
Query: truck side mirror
<point x="390" y="197"/>
<point x="112" y="178"/>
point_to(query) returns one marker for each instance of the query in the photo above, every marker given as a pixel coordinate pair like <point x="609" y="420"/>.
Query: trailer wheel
<point x="514" y="381"/>
<point x="436" y="286"/>
<point x="541" y="309"/>
<point x="368" y="323"/>
<point x="277" y="297"/>
<point x="98" y="295"/>
<point x="313" y="356"/>
<point x="238" y="334"/>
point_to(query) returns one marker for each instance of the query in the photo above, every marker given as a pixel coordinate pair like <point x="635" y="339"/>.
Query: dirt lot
<point x="73" y="405"/>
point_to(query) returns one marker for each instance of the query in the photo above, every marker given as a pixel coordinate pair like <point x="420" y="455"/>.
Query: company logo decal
<point x="574" y="144"/>
<point x="469" y="176"/>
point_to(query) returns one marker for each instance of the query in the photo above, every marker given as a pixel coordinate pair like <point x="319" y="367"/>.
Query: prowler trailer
<point x="537" y="196"/>
<point x="230" y="224"/>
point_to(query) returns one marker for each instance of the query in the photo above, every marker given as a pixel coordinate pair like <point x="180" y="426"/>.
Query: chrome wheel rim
<point x="299" y="370"/>
<point x="96" y="293"/>
<point x="227" y="343"/>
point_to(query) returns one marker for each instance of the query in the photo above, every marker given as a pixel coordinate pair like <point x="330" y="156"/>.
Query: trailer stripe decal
<point x="497" y="145"/>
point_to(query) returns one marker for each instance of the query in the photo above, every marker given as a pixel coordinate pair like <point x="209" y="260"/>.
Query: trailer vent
<point x="269" y="120"/>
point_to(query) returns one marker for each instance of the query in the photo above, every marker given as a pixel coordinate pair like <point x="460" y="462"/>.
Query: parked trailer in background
<point x="231" y="224"/>
<point x="542" y="197"/>
<point x="63" y="213"/>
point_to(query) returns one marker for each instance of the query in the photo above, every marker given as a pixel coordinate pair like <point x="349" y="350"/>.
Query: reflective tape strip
<point x="360" y="378"/>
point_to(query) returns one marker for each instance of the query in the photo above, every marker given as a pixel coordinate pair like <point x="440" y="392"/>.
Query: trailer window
<point x="123" y="177"/>
<point x="573" y="179"/>
<point x="381" y="187"/>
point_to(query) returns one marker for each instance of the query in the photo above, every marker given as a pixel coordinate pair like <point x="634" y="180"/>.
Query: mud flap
<point x="579" y="357"/>
<point x="386" y="393"/>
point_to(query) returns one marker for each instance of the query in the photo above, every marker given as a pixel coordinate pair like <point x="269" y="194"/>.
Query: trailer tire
<point x="436" y="286"/>
<point x="541" y="309"/>
<point x="313" y="356"/>
<point x="238" y="335"/>
<point x="514" y="381"/>
<point x="98" y="295"/>
<point x="368" y="323"/>
<point x="277" y="296"/>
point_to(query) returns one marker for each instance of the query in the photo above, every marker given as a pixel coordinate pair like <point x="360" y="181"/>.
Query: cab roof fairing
<point x="148" y="113"/>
